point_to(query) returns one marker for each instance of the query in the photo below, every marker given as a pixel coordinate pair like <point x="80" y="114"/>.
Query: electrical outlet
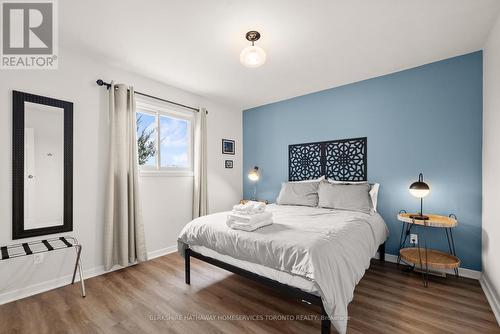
<point x="38" y="258"/>
<point x="414" y="239"/>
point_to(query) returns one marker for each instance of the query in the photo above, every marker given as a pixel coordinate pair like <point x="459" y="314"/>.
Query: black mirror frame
<point x="18" y="231"/>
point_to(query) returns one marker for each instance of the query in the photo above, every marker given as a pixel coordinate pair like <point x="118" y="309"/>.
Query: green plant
<point x="146" y="147"/>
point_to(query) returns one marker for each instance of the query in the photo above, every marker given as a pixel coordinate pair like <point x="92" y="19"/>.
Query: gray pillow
<point x="293" y="193"/>
<point x="352" y="197"/>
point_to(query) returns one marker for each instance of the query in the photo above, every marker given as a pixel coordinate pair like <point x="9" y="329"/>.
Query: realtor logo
<point x="29" y="34"/>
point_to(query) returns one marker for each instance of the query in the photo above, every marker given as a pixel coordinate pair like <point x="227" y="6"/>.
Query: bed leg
<point x="187" y="265"/>
<point x="381" y="252"/>
<point x="325" y="322"/>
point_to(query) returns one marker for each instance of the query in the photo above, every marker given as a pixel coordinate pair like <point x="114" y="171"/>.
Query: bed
<point x="314" y="254"/>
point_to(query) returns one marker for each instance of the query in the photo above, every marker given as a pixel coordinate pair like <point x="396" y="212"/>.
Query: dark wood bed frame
<point x="342" y="160"/>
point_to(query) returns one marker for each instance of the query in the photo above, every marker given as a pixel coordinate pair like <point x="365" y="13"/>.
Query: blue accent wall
<point x="426" y="119"/>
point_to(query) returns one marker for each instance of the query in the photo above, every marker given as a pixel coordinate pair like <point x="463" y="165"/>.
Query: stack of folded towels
<point x="249" y="216"/>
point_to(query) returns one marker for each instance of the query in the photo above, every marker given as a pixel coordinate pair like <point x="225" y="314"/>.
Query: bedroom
<point x="140" y="141"/>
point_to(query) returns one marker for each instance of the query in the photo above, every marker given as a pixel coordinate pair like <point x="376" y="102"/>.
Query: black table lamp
<point x="420" y="189"/>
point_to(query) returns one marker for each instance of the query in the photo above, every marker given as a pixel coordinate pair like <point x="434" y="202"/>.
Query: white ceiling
<point x="311" y="45"/>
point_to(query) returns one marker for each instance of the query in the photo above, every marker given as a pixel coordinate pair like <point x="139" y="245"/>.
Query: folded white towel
<point x="248" y="227"/>
<point x="250" y="207"/>
<point x="249" y="219"/>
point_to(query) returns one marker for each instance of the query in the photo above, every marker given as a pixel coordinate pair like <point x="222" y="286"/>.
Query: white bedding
<point x="332" y="248"/>
<point x="280" y="276"/>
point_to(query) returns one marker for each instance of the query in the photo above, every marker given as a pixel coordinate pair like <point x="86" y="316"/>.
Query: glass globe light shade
<point x="253" y="175"/>
<point x="253" y="56"/>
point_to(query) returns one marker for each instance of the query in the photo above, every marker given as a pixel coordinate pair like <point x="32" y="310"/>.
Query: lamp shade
<point x="253" y="56"/>
<point x="420" y="189"/>
<point x="254" y="175"/>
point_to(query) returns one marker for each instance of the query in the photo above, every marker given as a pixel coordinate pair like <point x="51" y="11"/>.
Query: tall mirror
<point x="42" y="165"/>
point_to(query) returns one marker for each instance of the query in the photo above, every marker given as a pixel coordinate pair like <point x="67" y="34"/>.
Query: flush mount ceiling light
<point x="252" y="56"/>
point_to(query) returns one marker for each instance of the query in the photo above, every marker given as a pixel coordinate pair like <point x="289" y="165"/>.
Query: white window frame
<point x="158" y="109"/>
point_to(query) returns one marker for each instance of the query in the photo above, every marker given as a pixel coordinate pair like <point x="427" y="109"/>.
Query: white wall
<point x="491" y="169"/>
<point x="166" y="200"/>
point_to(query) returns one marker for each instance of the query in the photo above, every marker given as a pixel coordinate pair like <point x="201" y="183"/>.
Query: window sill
<point x="165" y="173"/>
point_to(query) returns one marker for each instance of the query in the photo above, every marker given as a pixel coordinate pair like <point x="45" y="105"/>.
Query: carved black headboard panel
<point x="342" y="160"/>
<point x="305" y="161"/>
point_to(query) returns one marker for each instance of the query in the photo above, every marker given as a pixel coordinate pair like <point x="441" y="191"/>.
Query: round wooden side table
<point x="423" y="256"/>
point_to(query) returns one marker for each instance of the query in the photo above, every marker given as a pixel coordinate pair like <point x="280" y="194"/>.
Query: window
<point x="164" y="138"/>
<point x="146" y="139"/>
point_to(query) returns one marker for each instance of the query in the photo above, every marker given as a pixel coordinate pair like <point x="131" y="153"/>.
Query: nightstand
<point x="243" y="201"/>
<point x="426" y="257"/>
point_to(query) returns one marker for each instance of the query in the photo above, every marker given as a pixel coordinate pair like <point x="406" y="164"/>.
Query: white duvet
<point x="331" y="247"/>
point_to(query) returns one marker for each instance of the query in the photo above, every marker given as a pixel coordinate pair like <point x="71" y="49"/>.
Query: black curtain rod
<point x="103" y="83"/>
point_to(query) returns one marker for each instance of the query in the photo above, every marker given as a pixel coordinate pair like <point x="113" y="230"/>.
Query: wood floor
<point x="151" y="297"/>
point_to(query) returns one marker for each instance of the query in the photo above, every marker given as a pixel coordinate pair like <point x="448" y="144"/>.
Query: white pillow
<point x="319" y="179"/>
<point x="374" y="195"/>
<point x="373" y="191"/>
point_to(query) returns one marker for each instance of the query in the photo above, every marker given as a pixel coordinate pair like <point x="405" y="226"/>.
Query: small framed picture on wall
<point x="228" y="163"/>
<point x="228" y="146"/>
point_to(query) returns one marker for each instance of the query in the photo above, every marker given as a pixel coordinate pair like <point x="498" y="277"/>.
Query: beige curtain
<point x="200" y="192"/>
<point x="124" y="242"/>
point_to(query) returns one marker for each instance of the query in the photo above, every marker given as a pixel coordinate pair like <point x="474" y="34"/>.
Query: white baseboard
<point x="161" y="252"/>
<point x="37" y="288"/>
<point x="491" y="295"/>
<point x="463" y="272"/>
